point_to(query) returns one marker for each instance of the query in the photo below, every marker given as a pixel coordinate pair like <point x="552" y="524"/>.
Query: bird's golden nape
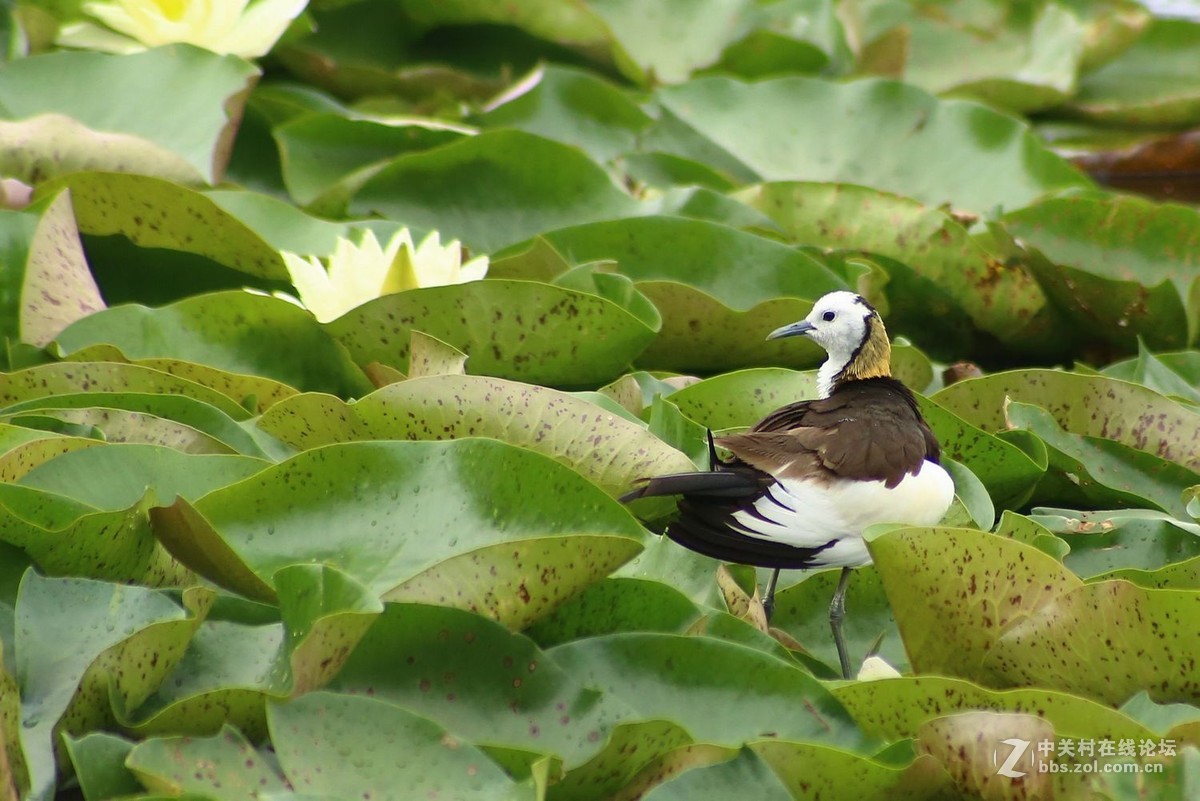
<point x="799" y="488"/>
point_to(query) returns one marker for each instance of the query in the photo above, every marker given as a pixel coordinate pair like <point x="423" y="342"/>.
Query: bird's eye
<point x="828" y="316"/>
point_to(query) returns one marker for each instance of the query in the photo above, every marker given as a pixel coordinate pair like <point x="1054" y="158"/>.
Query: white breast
<point x="809" y="515"/>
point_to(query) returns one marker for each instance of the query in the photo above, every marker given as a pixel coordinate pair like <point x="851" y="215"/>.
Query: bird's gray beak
<point x="792" y="330"/>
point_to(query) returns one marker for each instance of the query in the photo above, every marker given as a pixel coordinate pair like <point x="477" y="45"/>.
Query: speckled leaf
<point x="701" y="334"/>
<point x="953" y="592"/>
<point x="613" y="605"/>
<point x="326" y="157"/>
<point x="154" y="213"/>
<point x="1023" y="58"/>
<point x="802" y="610"/>
<point x="943" y="273"/>
<point x="737" y="268"/>
<point x="876" y="133"/>
<point x="121" y="426"/>
<point x="254" y="392"/>
<point x="1105" y="541"/>
<point x="397" y="754"/>
<point x="606" y="448"/>
<point x="196" y="125"/>
<point x="67" y="538"/>
<point x="629" y="748"/>
<point x="569" y="106"/>
<point x="744" y="397"/>
<point x="1090" y="405"/>
<point x="1009" y="472"/>
<point x="224" y="767"/>
<point x="813" y="772"/>
<point x="702" y="772"/>
<point x="429" y="356"/>
<point x="98" y="759"/>
<point x="234" y="331"/>
<point x="14" y="774"/>
<point x="67" y="378"/>
<point x="387" y="512"/>
<point x="46" y="285"/>
<point x="1183" y="575"/>
<point x="747" y="694"/>
<point x="1121" y="267"/>
<point x="116" y="476"/>
<point x="49" y="145"/>
<point x="1153" y="83"/>
<point x="64" y="630"/>
<point x="1166" y="373"/>
<point x="226" y="676"/>
<point x="1145" y="639"/>
<point x="479" y="681"/>
<point x="494" y="189"/>
<point x="895" y="709"/>
<point x="19" y="459"/>
<point x="521" y="330"/>
<point x="968" y="744"/>
<point x="1092" y="471"/>
<point x="188" y="412"/>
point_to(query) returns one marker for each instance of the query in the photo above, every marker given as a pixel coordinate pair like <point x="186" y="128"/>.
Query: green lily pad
<point x="98" y="759"/>
<point x="955" y="591"/>
<point x="234" y="331"/>
<point x="311" y="735"/>
<point x="47" y="285"/>
<point x="224" y="767"/>
<point x="572" y="107"/>
<point x="1095" y="471"/>
<point x="614" y="605"/>
<point x="1153" y="83"/>
<point x="896" y="708"/>
<point x="69" y="636"/>
<point x="385" y="513"/>
<point x="1104" y="542"/>
<point x="155" y="213"/>
<point x="943" y="272"/>
<point x="1023" y="57"/>
<point x="763" y="132"/>
<point x="479" y="681"/>
<point x="810" y="771"/>
<point x="1118" y="266"/>
<point x="607" y="449"/>
<point x="191" y="128"/>
<point x="327" y="156"/>
<point x="1090" y="405"/>
<point x="494" y="189"/>
<point x="1172" y="374"/>
<point x="1143" y="636"/>
<point x="521" y="330"/>
<point x="747" y="694"/>
<point x="121" y="426"/>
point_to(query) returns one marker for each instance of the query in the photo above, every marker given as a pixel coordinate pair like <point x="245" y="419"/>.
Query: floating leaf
<point x="223" y="767"/>
<point x="514" y="329"/>
<point x="46" y="285"/>
<point x="235" y="331"/>
<point x="311" y="735"/>
<point x="1090" y="405"/>
<point x="194" y="126"/>
<point x="609" y="450"/>
<point x="763" y="132"/>
<point x="1119" y="266"/>
<point x="494" y="189"/>
<point x="387" y="513"/>
<point x="1153" y="83"/>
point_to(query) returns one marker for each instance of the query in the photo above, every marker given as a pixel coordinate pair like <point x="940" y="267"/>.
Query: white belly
<point x="807" y="515"/>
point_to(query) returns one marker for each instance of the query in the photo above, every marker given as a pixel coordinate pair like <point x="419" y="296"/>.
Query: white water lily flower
<point x="874" y="668"/>
<point x="362" y="271"/>
<point x="246" y="28"/>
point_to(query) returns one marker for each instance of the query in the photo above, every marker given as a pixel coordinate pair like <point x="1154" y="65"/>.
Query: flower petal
<point x="90" y="36"/>
<point x="261" y="26"/>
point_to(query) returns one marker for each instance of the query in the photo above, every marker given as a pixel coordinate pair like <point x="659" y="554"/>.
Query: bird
<point x="802" y="484"/>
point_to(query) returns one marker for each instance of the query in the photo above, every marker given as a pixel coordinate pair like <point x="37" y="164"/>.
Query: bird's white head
<point x="851" y="332"/>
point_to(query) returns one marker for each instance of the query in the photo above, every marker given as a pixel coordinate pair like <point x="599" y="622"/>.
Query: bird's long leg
<point x="769" y="597"/>
<point x="837" y="612"/>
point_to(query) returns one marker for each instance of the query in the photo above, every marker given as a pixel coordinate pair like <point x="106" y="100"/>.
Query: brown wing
<point x="868" y="430"/>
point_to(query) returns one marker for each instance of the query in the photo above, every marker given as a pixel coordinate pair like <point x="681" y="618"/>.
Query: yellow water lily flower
<point x="364" y="270"/>
<point x="238" y="27"/>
